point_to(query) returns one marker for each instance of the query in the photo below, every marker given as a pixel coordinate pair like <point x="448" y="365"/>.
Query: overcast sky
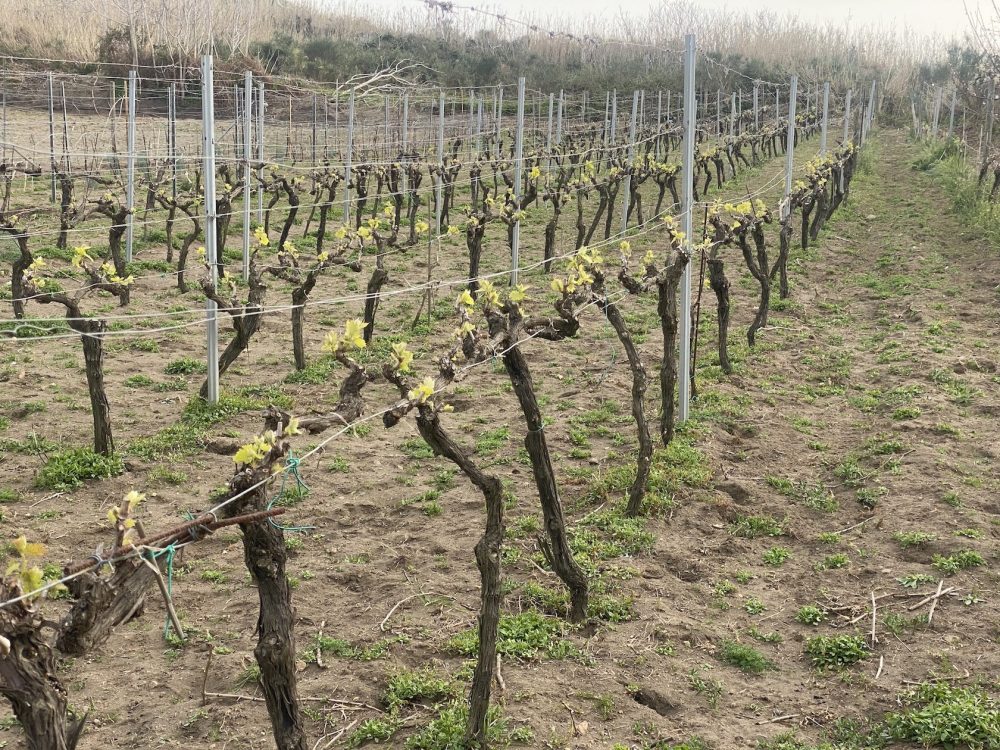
<point x="946" y="17"/>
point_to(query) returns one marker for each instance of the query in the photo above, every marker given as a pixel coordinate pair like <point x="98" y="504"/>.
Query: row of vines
<point x="574" y="195"/>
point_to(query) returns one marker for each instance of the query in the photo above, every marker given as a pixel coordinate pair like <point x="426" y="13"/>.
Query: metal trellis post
<point x="130" y="169"/>
<point x="439" y="191"/>
<point x="826" y="119"/>
<point x="247" y="189"/>
<point x="687" y="222"/>
<point x="627" y="191"/>
<point x="52" y="142"/>
<point x="790" y="140"/>
<point x="347" y="158"/>
<point x="208" y="181"/>
<point x="515" y="247"/>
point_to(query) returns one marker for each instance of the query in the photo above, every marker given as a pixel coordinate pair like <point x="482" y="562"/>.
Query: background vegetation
<point x="334" y="39"/>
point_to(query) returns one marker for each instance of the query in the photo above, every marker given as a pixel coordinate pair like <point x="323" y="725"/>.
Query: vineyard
<point x="367" y="413"/>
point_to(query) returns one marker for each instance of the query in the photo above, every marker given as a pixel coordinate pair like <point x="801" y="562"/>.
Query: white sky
<point x="942" y="17"/>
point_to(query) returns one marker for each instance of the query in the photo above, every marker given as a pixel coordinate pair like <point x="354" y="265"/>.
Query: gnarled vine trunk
<point x="720" y="285"/>
<point x="556" y="548"/>
<point x="488" y="560"/>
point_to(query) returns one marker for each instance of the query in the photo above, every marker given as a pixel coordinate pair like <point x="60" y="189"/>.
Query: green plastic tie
<point x="292" y="469"/>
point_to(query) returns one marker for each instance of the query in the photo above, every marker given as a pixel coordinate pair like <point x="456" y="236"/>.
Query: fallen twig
<point x="874" y="637"/>
<point x="940" y="679"/>
<point x="777" y="718"/>
<point x="335" y="737"/>
<point x="403" y="601"/>
<point x="859" y="523"/>
<point x="933" y="597"/>
<point x="319" y="645"/>
<point x="937" y="597"/>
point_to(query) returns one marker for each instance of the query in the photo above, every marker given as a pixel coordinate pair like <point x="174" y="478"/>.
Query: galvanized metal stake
<point x="687" y="222"/>
<point x="260" y="151"/>
<point x="790" y="140"/>
<point x="826" y="118"/>
<point x="52" y="143"/>
<point x="208" y="174"/>
<point x="130" y="170"/>
<point x="627" y="186"/>
<point x="607" y="117"/>
<point x="172" y="137"/>
<point x="559" y="118"/>
<point x="65" y="122"/>
<point x="439" y="191"/>
<point x="247" y="188"/>
<point x="499" y="116"/>
<point x="515" y="247"/>
<point x="347" y="158"/>
<point x="548" y="138"/>
<point x="479" y="125"/>
<point x="614" y="114"/>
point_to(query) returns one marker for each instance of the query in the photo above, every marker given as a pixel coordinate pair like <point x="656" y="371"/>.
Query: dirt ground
<point x="867" y="410"/>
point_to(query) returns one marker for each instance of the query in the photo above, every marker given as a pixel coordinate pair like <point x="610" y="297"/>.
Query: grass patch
<point x="527" y="635"/>
<point x="416" y="448"/>
<point x="67" y="470"/>
<point x="417" y="687"/>
<point x="185" y="366"/>
<point x="33" y="445"/>
<point x="609" y="534"/>
<point x="202" y="414"/>
<point x="745" y="658"/>
<point x="907" y="539"/>
<point x="947" y="716"/>
<point x="187" y="437"/>
<point x="776" y="556"/>
<point x="316" y="372"/>
<point x="491" y="441"/>
<point x="835" y="651"/>
<point x="446" y="731"/>
<point x="751" y="527"/>
<point x="951" y="564"/>
<point x="810" y="615"/>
